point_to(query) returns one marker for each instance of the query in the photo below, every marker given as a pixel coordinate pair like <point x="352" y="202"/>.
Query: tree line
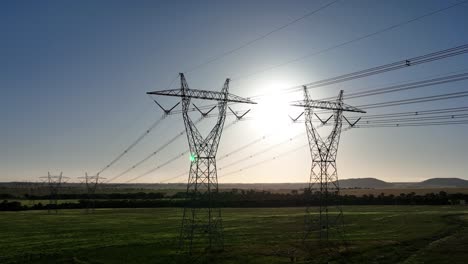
<point x="231" y="198"/>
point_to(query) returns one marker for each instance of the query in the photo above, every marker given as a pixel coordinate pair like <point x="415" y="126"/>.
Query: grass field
<point x="375" y="234"/>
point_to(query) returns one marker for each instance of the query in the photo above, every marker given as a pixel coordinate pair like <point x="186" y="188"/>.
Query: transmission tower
<point x="323" y="182"/>
<point x="54" y="184"/>
<point x="202" y="222"/>
<point x="91" y="183"/>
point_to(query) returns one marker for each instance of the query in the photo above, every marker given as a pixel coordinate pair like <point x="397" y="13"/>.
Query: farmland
<point x="375" y="234"/>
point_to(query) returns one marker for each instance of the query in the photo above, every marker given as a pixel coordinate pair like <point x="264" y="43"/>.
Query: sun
<point x="273" y="108"/>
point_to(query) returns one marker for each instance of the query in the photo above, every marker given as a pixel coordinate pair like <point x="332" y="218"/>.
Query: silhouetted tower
<point x="91" y="183"/>
<point x="202" y="224"/>
<point x="323" y="182"/>
<point x="54" y="184"/>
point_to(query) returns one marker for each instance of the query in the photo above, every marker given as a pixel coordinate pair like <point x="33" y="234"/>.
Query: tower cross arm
<point x="327" y="105"/>
<point x="202" y="94"/>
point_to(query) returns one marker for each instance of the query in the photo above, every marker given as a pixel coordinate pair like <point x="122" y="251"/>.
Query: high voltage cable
<point x="345" y="129"/>
<point x="264" y="161"/>
<point x="405" y="86"/>
<point x="250" y="42"/>
<point x="175" y="177"/>
<point x="390" y="118"/>
<point x="243" y="159"/>
<point x="172" y="140"/>
<point x="450" y="74"/>
<point x="171" y="159"/>
<point x="141" y="137"/>
<point x="424" y="113"/>
<point x="158" y="167"/>
<point x="416" y="100"/>
<point x="249" y="157"/>
<point x="410" y="119"/>
<point x="244" y="168"/>
<point x="409" y="101"/>
<point x="351" y="41"/>
<point x="251" y="143"/>
<point x="412" y="113"/>
<point x="443" y="123"/>
<point x="161" y="148"/>
<point x="261" y="151"/>
<point x="385" y="68"/>
<point x="420" y="59"/>
<point x="357" y="126"/>
<point x="413" y="118"/>
<point x="306" y="145"/>
<point x="372" y="71"/>
<point x="155" y="124"/>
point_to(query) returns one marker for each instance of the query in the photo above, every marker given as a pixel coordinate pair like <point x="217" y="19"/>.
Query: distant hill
<point x="372" y="183"/>
<point x="444" y="182"/>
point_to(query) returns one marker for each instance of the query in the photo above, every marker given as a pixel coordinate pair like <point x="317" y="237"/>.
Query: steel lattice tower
<point x="202" y="223"/>
<point x="323" y="182"/>
<point x="54" y="184"/>
<point x="91" y="183"/>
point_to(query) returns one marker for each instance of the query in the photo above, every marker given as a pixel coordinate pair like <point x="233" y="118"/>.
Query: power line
<point x="264" y="161"/>
<point x="305" y="145"/>
<point x="161" y="148"/>
<point x="155" y="124"/>
<point x="351" y="41"/>
<point x="448" y="114"/>
<point x="416" y="100"/>
<point x="148" y="157"/>
<point x="442" y="123"/>
<point x="240" y="160"/>
<point x="372" y="124"/>
<point x="158" y="167"/>
<point x="175" y="177"/>
<point x="413" y="85"/>
<point x="247" y="158"/>
<point x="410" y="101"/>
<point x="250" y="42"/>
<point x="169" y="161"/>
<point x="251" y="143"/>
<point x="412" y="113"/>
<point x="408" y="119"/>
<point x="386" y="68"/>
<point x="261" y="151"/>
<point x="406" y="86"/>
<point x="133" y="144"/>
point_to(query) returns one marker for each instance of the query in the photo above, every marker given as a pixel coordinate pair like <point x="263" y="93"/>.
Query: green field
<point x="375" y="234"/>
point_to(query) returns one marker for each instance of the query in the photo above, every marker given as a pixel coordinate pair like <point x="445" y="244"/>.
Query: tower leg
<point x="202" y="222"/>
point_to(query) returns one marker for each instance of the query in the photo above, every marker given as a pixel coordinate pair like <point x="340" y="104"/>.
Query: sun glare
<point x="273" y="108"/>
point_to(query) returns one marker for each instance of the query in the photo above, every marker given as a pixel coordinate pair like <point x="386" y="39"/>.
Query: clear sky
<point x="74" y="74"/>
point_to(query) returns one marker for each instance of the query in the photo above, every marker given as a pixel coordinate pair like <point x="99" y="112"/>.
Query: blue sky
<point x="74" y="76"/>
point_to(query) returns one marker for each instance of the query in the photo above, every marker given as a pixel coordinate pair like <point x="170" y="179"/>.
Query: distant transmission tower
<point x="54" y="184"/>
<point x="323" y="182"/>
<point x="91" y="183"/>
<point x="202" y="223"/>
